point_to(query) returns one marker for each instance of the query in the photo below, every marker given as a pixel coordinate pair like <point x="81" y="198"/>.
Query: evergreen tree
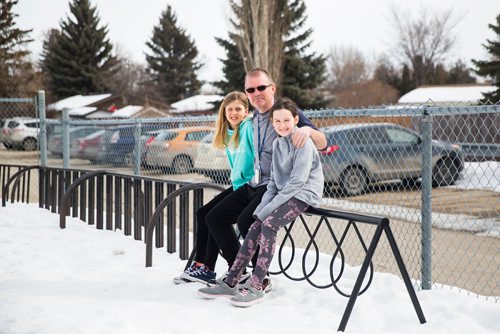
<point x="14" y="64"/>
<point x="172" y="60"/>
<point x="49" y="43"/>
<point x="78" y="60"/>
<point x="491" y="68"/>
<point x="303" y="72"/>
<point x="232" y="67"/>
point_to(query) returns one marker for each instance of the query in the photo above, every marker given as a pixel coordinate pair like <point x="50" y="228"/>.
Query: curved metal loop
<point x="159" y="210"/>
<point x="351" y="223"/>
<point x="64" y="205"/>
<point x="283" y="269"/>
<point x="15" y="176"/>
<point x="313" y="241"/>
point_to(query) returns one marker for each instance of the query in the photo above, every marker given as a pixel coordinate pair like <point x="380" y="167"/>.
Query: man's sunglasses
<point x="259" y="88"/>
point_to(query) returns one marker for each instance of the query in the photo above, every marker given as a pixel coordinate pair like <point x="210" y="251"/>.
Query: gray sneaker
<point x="247" y="296"/>
<point x="219" y="290"/>
<point x="267" y="284"/>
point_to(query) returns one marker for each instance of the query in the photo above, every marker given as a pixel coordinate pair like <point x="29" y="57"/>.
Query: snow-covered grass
<point x="80" y="280"/>
<point x="480" y="175"/>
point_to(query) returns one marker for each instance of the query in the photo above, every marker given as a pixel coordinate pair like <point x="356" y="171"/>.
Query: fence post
<point x="65" y="137"/>
<point x="42" y="140"/>
<point x="426" y="134"/>
<point x="137" y="148"/>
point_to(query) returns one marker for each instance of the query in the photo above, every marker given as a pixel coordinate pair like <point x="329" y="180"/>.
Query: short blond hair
<point x="256" y="71"/>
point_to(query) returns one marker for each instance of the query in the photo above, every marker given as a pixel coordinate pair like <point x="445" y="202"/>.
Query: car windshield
<point x="208" y="138"/>
<point x="166" y="136"/>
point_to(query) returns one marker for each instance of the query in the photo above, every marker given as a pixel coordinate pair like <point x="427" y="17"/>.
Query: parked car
<point x="88" y="147"/>
<point x="54" y="143"/>
<point x="176" y="148"/>
<point x="20" y="132"/>
<point x="147" y="138"/>
<point x="360" y="154"/>
<point x="211" y="161"/>
<point x="119" y="146"/>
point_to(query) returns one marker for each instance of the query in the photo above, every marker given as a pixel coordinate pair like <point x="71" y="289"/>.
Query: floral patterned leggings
<point x="263" y="234"/>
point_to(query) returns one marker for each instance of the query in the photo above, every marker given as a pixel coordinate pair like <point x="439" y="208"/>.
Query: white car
<point x="211" y="161"/>
<point x="20" y="132"/>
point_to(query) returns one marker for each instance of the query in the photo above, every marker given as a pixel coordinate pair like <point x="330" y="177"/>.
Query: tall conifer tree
<point x="491" y="67"/>
<point x="79" y="60"/>
<point x="172" y="60"/>
<point x="13" y="54"/>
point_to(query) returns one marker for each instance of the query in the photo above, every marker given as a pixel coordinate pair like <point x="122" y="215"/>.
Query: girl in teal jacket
<point x="234" y="134"/>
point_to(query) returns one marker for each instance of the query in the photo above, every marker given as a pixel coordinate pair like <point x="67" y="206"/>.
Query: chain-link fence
<point x="19" y="130"/>
<point x="432" y="170"/>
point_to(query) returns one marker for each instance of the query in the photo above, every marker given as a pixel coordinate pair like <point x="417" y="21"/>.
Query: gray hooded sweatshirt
<point x="295" y="172"/>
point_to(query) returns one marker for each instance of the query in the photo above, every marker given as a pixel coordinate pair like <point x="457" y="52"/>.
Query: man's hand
<point x="300" y="136"/>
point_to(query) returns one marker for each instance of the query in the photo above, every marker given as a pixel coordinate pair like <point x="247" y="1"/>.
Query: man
<point x="240" y="205"/>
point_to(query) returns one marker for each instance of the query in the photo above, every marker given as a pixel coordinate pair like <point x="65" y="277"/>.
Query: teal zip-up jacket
<point x="241" y="158"/>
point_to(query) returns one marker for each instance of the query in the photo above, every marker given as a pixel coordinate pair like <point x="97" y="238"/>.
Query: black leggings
<point x="238" y="207"/>
<point x="206" y="247"/>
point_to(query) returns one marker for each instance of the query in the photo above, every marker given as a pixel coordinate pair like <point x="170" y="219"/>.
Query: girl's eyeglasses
<point x="260" y="88"/>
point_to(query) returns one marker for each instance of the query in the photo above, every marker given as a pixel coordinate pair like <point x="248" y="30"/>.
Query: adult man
<point x="240" y="205"/>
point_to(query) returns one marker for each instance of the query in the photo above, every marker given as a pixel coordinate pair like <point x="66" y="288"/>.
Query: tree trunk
<point x="259" y="34"/>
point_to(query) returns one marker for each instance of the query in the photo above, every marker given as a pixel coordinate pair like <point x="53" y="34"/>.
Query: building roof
<point x="81" y="111"/>
<point x="77" y="101"/>
<point x="444" y="94"/>
<point x="125" y="112"/>
<point x="195" y="103"/>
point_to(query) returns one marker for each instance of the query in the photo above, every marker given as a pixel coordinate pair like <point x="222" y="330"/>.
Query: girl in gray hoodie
<point x="296" y="183"/>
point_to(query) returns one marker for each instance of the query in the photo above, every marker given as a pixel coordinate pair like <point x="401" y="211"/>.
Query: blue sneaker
<point x="201" y="274"/>
<point x="195" y="266"/>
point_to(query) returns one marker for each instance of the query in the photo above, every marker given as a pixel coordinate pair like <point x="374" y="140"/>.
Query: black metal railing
<point x="16" y="179"/>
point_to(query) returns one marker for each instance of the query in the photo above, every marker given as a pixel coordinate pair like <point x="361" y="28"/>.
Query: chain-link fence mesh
<point x="19" y="129"/>
<point x="372" y="165"/>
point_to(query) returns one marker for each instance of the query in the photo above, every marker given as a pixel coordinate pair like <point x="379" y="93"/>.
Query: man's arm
<point x="300" y="136"/>
<point x="308" y="129"/>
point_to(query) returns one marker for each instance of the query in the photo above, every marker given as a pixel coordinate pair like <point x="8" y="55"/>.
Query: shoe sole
<point x="182" y="280"/>
<point x="212" y="296"/>
<point x="188" y="278"/>
<point x="246" y="304"/>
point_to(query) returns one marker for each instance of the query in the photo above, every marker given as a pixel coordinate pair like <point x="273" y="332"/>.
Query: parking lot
<point x="481" y="203"/>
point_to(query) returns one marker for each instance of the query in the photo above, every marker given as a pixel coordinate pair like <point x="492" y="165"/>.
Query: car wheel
<point x="445" y="173"/>
<point x="29" y="144"/>
<point x="182" y="165"/>
<point x="353" y="181"/>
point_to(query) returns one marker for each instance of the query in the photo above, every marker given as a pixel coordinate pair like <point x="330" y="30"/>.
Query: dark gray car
<point x="360" y="154"/>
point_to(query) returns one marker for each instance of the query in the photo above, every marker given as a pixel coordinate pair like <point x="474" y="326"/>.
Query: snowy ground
<point x="480" y="175"/>
<point x="80" y="280"/>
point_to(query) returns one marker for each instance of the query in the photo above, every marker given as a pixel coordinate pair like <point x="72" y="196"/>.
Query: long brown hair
<point x="222" y="125"/>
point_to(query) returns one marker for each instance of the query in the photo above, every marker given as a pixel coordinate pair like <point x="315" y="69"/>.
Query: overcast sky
<point x="359" y="23"/>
